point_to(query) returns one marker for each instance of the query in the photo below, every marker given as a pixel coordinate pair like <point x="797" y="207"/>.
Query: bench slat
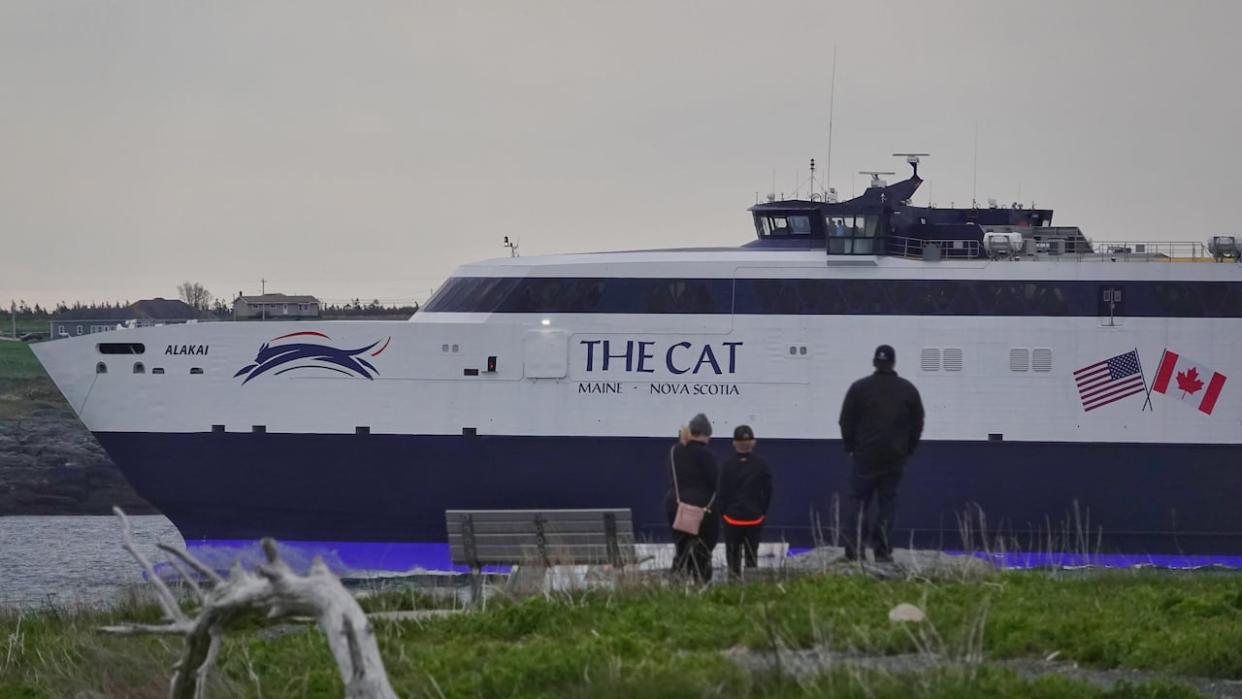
<point x="622" y="515"/>
<point x="513" y="539"/>
<point x="548" y="528"/>
<point x="579" y="555"/>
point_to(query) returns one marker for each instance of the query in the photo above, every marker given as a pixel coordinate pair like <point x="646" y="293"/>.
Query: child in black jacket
<point x="745" y="493"/>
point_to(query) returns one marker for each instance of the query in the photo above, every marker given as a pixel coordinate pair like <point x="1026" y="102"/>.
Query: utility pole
<point x="263" y="286"/>
<point x="13" y="316"/>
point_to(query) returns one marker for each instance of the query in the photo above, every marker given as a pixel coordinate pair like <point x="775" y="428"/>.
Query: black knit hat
<point x="743" y="433"/>
<point x="700" y="425"/>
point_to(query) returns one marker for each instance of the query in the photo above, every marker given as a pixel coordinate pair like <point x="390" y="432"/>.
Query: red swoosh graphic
<point x="376" y="353"/>
<point x="304" y="332"/>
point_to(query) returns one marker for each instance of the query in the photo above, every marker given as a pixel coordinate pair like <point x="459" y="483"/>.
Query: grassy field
<point x="23" y="326"/>
<point x="670" y="641"/>
<point x="23" y="383"/>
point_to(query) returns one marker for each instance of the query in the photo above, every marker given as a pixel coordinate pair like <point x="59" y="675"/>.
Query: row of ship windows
<point x="140" y="368"/>
<point x="838" y="297"/>
<point x="1021" y="359"/>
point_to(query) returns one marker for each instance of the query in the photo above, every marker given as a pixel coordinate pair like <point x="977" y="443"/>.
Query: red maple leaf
<point x="1189" y="381"/>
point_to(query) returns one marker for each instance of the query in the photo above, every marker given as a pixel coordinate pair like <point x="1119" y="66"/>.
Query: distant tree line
<point x="215" y="308"/>
<point x="78" y="310"/>
<point x="358" y="309"/>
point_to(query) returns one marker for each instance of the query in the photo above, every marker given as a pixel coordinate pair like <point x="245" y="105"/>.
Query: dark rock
<point x="51" y="465"/>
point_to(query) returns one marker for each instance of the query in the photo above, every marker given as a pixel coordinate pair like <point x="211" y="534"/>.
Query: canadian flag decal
<point x="1188" y="381"/>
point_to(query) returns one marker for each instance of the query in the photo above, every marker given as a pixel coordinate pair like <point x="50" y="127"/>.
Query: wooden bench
<point x="539" y="539"/>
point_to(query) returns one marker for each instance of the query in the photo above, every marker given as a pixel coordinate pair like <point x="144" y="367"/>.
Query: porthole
<point x="139" y="368"/>
<point x="101" y="368"/>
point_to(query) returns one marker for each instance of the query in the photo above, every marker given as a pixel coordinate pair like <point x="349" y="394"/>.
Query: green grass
<point x="18" y="363"/>
<point x="671" y="641"/>
<point x="23" y="326"/>
<point x="24" y="385"/>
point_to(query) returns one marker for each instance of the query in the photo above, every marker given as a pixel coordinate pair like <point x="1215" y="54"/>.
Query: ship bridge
<point x="882" y="221"/>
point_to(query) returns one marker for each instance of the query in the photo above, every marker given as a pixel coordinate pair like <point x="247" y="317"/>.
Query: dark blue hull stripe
<point x="1138" y="499"/>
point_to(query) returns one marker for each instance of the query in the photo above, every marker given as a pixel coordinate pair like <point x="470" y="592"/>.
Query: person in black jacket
<point x="695" y="479"/>
<point x="881" y="422"/>
<point x="745" y="493"/>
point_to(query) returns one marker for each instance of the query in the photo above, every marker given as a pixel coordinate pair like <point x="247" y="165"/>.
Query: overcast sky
<point x="366" y="149"/>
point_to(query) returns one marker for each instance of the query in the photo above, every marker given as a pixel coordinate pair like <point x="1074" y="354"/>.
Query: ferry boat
<point x="1080" y="397"/>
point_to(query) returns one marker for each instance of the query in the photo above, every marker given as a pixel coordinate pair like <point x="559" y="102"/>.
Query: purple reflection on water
<point x="390" y="557"/>
<point x="1031" y="559"/>
<point x="340" y="556"/>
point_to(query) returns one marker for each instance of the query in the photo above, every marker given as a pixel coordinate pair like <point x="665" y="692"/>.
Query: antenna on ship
<point x="974" y="176"/>
<point x="912" y="159"/>
<point x="512" y="245"/>
<point x="832" y="94"/>
<point x="815" y="196"/>
<point x="875" y="177"/>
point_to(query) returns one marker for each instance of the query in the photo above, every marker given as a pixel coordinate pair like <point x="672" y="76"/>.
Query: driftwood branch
<point x="274" y="588"/>
<point x="168" y="602"/>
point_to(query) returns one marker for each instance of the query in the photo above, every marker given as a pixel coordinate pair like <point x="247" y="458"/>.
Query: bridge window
<point x="783" y="225"/>
<point x="851" y="235"/>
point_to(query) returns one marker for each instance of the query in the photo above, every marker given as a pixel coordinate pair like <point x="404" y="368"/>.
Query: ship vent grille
<point x="952" y="359"/>
<point x="1019" y="359"/>
<point x="1041" y="359"/>
<point x="930" y="359"/>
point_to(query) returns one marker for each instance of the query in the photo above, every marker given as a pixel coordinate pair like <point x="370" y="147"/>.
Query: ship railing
<point x="1143" y="251"/>
<point x="919" y="248"/>
<point x="59" y="328"/>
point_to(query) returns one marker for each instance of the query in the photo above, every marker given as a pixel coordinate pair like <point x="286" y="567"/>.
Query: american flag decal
<point x="1110" y="380"/>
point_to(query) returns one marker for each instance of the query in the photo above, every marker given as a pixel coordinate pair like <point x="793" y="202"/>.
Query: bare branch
<point x="141" y="629"/>
<point x="168" y="602"/>
<point x="185" y="575"/>
<point x="191" y="561"/>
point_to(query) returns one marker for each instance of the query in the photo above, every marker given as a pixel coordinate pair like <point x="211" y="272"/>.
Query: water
<point x="74" y="560"/>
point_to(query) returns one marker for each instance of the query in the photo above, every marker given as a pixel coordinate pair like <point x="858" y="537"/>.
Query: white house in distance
<point x="275" y="306"/>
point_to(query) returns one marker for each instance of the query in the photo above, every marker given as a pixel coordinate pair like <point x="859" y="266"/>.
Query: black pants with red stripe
<point x="741" y="542"/>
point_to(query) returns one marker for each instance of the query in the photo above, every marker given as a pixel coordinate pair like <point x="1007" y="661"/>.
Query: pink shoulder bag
<point x="689" y="518"/>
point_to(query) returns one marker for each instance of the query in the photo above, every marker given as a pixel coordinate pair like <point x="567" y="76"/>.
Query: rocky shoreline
<point x="51" y="465"/>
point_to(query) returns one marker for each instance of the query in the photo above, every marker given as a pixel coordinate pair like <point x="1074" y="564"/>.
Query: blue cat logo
<point x="310" y="355"/>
